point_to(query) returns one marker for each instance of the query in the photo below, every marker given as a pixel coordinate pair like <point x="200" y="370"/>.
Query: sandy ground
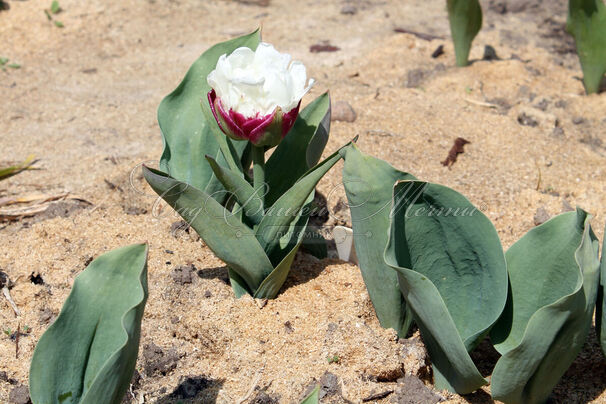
<point x="84" y="102"/>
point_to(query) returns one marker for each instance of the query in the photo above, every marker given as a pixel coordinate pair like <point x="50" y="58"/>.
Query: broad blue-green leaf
<point x="300" y="150"/>
<point x="186" y="133"/>
<point x="280" y="215"/>
<point x="600" y="314"/>
<point x="246" y="195"/>
<point x="587" y="24"/>
<point x="368" y="183"/>
<point x="456" y="282"/>
<point x="553" y="276"/>
<point x="225" y="234"/>
<point x="465" y="22"/>
<point x="88" y="354"/>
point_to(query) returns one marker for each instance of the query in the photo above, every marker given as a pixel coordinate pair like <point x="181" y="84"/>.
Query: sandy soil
<point x="84" y="101"/>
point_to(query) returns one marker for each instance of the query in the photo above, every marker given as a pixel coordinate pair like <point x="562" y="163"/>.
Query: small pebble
<point x="541" y="216"/>
<point x="349" y="10"/>
<point x="342" y="111"/>
<point x="527" y="120"/>
<point x="19" y="395"/>
<point x="557" y="132"/>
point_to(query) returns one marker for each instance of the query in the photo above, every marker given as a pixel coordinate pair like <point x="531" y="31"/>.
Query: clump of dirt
<point x="158" y="360"/>
<point x="411" y="390"/>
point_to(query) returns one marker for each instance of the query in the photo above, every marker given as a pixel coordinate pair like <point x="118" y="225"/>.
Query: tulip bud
<point x="256" y="95"/>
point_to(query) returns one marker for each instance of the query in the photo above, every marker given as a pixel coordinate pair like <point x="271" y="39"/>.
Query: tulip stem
<point x="258" y="158"/>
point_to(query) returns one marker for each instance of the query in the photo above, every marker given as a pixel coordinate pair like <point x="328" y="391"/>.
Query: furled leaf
<point x="465" y="22"/>
<point x="270" y="287"/>
<point x="313" y="397"/>
<point x="587" y="24"/>
<point x="300" y="150"/>
<point x="600" y="314"/>
<point x="280" y="215"/>
<point x="231" y="240"/>
<point x="245" y="194"/>
<point x="368" y="183"/>
<point x="451" y="270"/>
<point x="553" y="276"/>
<point x="88" y="355"/>
<point x="187" y="134"/>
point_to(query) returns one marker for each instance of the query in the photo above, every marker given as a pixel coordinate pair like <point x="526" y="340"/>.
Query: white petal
<point x="254" y="83"/>
<point x="266" y="55"/>
<point x="241" y="58"/>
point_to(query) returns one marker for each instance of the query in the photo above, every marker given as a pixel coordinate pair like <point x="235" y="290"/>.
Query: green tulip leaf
<point x="313" y="397"/>
<point x="250" y="269"/>
<point x="238" y="284"/>
<point x="289" y="243"/>
<point x="245" y="194"/>
<point x="600" y="315"/>
<point x="187" y="133"/>
<point x="300" y="150"/>
<point x="279" y="216"/>
<point x="88" y="355"/>
<point x="451" y="270"/>
<point x="368" y="183"/>
<point x="270" y="287"/>
<point x="314" y="242"/>
<point x="225" y="234"/>
<point x="465" y="22"/>
<point x="553" y="277"/>
<point x="587" y="24"/>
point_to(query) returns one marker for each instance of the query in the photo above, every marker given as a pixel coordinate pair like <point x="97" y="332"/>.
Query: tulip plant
<point x="444" y="257"/>
<point x="451" y="271"/>
<point x="88" y="355"/>
<point x="553" y="281"/>
<point x="238" y="100"/>
<point x="465" y="18"/>
<point x="587" y="23"/>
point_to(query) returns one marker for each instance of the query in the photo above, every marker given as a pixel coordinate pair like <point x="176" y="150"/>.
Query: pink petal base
<point x="251" y="129"/>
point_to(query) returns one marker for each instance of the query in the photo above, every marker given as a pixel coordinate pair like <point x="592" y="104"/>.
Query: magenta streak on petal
<point x="289" y="118"/>
<point x="261" y="123"/>
<point x="211" y="101"/>
<point x="233" y="126"/>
